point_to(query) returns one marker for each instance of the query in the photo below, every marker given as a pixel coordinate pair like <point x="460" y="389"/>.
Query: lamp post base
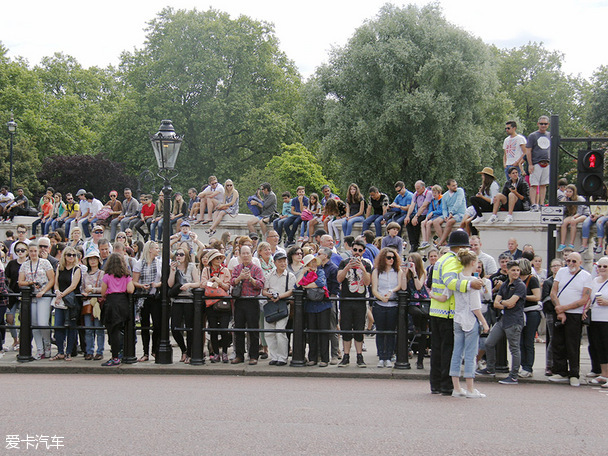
<point x="165" y="353"/>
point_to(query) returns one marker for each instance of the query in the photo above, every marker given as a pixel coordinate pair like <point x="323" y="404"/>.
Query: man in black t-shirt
<point x="378" y="205"/>
<point x="354" y="275"/>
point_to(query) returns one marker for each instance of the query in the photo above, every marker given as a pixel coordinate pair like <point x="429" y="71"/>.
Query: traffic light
<point x="590" y="177"/>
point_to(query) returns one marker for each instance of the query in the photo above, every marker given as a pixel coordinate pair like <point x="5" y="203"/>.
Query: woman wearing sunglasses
<point x="386" y="281"/>
<point x="12" y="277"/>
<point x="67" y="305"/>
<point x="37" y="273"/>
<point x="230" y="206"/>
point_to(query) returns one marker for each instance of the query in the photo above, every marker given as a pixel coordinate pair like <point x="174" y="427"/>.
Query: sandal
<point x="57" y="357"/>
<point x="183" y="358"/>
<point x="68" y="358"/>
<point x="144" y="358"/>
<point x="187" y="360"/>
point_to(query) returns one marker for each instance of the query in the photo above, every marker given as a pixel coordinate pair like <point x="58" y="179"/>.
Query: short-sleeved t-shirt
<point x="116" y="284"/>
<point x="574" y="291"/>
<point x="599" y="313"/>
<point x="295" y="203"/>
<point x="512" y="147"/>
<point x="514" y="315"/>
<point x="36" y="272"/>
<point x="352" y="286"/>
<point x="540" y="145"/>
<point x="378" y="204"/>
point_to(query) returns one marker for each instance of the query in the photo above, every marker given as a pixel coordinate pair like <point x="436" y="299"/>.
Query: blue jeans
<point x="386" y="320"/>
<point x="376" y="220"/>
<point x="291" y="227"/>
<point x="85" y="226"/>
<point x="91" y="334"/>
<point x="588" y="223"/>
<point x="61" y="321"/>
<point x="347" y="225"/>
<point x="68" y="222"/>
<point x="154" y="226"/>
<point x="48" y="226"/>
<point x="304" y="229"/>
<point x="466" y="344"/>
<point x="35" y="226"/>
<point x="278" y="225"/>
<point x="528" y="334"/>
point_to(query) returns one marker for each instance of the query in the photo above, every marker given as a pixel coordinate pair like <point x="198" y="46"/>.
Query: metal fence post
<point x="297" y="358"/>
<point x="197" y="358"/>
<point x="25" y="331"/>
<point x="128" y="355"/>
<point x="403" y="361"/>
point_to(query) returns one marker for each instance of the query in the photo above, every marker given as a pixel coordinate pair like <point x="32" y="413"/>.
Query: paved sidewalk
<point x="9" y="364"/>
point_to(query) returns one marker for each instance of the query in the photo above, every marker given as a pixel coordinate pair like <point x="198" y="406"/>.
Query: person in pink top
<point x="117" y="284"/>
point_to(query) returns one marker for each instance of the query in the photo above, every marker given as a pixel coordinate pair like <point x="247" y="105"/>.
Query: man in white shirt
<point x="210" y="198"/>
<point x="6" y="198"/>
<point x="570" y="292"/>
<point x="514" y="146"/>
<point x="94" y="207"/>
<point x="489" y="264"/>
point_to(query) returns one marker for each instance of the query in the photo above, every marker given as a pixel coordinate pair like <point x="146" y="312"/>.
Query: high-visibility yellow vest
<point x="445" y="274"/>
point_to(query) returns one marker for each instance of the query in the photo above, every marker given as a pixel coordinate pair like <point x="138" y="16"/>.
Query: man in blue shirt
<point x="293" y="221"/>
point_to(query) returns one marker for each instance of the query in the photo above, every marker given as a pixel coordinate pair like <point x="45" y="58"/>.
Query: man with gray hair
<point x="537" y="155"/>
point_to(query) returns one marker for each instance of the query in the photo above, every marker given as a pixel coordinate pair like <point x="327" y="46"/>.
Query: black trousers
<point x="442" y="344"/>
<point x="219" y="319"/>
<point x="151" y="308"/>
<point x="413" y="233"/>
<point x="318" y="344"/>
<point x="567" y="346"/>
<point x="247" y="315"/>
<point x="480" y="205"/>
<point x="182" y="316"/>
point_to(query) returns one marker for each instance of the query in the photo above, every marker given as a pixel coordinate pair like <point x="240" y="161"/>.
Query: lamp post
<point x="12" y="129"/>
<point x="166" y="146"/>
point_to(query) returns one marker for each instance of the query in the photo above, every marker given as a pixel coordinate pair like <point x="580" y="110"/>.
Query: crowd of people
<point x="309" y="245"/>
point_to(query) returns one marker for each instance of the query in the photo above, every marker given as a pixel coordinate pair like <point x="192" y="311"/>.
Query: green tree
<point x="597" y="100"/>
<point x="410" y="96"/>
<point x="295" y="166"/>
<point x="225" y="84"/>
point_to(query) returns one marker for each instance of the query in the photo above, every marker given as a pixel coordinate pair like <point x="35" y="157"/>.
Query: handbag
<point x="237" y="290"/>
<point x="307" y="215"/>
<point x="275" y="311"/>
<point x="176" y="289"/>
<point x="103" y="213"/>
<point x="214" y="292"/>
<point x="315" y="294"/>
<point x="222" y="306"/>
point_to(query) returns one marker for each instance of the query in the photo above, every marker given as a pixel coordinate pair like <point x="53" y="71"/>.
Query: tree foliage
<point x="95" y="174"/>
<point x="408" y="97"/>
<point x="598" y="100"/>
<point x="225" y="84"/>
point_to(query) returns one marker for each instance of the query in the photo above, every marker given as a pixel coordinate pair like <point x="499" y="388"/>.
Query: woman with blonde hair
<point x="75" y="237"/>
<point x="147" y="278"/>
<point x="230" y="206"/>
<point x="91" y="309"/>
<point x="387" y="278"/>
<point x="67" y="305"/>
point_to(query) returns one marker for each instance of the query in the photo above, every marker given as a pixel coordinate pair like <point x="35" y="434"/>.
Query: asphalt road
<point x="183" y="415"/>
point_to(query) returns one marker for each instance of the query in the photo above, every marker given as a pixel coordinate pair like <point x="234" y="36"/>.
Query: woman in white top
<point x="598" y="330"/>
<point x="573" y="216"/>
<point x="38" y="274"/>
<point x="484" y="200"/>
<point x="386" y="281"/>
<point x="146" y="278"/>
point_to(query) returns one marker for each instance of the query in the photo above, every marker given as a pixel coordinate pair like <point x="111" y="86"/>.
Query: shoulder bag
<point x="275" y="311"/>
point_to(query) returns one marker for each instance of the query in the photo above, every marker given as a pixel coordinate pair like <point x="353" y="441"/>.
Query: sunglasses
<point x="228" y="185"/>
<point x="359" y="250"/>
<point x="390" y="257"/>
<point x="98" y="232"/>
<point x="180" y="254"/>
<point x="570" y="261"/>
<point x="603" y="266"/>
<point x="543" y="123"/>
<point x="121" y="237"/>
<point x="21" y="232"/>
<point x="70" y="255"/>
<point x="44" y="246"/>
<point x="20" y="250"/>
<point x="113" y="196"/>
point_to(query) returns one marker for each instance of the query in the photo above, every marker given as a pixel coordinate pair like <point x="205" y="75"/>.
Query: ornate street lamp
<point x="12" y="129"/>
<point x="166" y="145"/>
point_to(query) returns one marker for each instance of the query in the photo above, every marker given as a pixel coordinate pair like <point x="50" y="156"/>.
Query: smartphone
<point x="476" y="274"/>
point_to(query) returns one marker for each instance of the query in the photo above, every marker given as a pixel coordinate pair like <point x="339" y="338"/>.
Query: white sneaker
<point x="477" y="220"/>
<point x="525" y="374"/>
<point x="509" y="218"/>
<point x="481" y="364"/>
<point x="461" y="393"/>
<point x="493" y="219"/>
<point x="475" y="395"/>
<point x="388" y="363"/>
<point x="558" y="378"/>
<point x="575" y="381"/>
<point x="380" y="363"/>
<point x="534" y="208"/>
<point x="599" y="380"/>
<point x="592" y="375"/>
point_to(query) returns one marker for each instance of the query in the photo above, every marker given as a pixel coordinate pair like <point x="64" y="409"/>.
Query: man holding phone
<point x="515" y="196"/>
<point x="354" y="275"/>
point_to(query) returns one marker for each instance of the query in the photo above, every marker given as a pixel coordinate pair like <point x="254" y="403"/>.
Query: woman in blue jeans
<point x="532" y="308"/>
<point x="67" y="308"/>
<point x="355" y="209"/>
<point x="599" y="217"/>
<point x="91" y="284"/>
<point x="386" y="282"/>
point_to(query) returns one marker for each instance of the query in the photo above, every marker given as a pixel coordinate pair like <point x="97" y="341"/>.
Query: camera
<point x="275" y="295"/>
